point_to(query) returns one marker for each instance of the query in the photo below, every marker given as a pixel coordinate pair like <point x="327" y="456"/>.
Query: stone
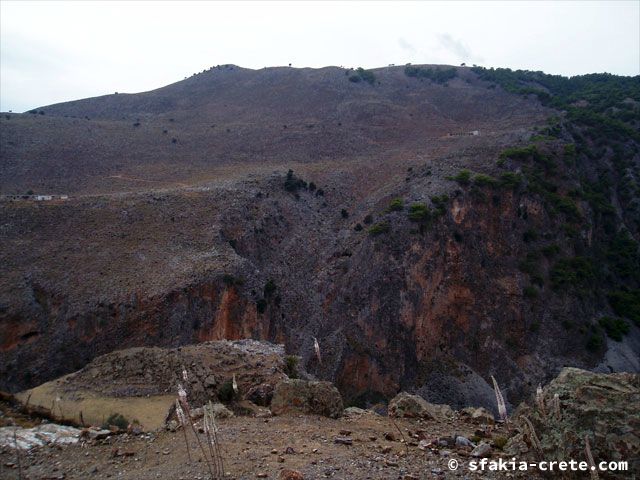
<point x="479" y="415"/>
<point x="261" y="394"/>
<point x="45" y="434"/>
<point x="414" y="406"/>
<point x="287" y="474"/>
<point x="343" y="440"/>
<point x="464" y="442"/>
<point x="220" y="411"/>
<point x="482" y="450"/>
<point x="310" y="397"/>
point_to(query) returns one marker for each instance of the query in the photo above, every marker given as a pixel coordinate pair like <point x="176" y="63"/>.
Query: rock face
<point x="413" y="406"/>
<point x="319" y="398"/>
<point x="603" y="407"/>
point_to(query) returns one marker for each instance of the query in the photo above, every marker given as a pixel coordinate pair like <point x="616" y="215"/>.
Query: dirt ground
<point x="261" y="448"/>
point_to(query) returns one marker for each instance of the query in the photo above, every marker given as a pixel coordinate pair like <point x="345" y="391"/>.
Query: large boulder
<point x="413" y="406"/>
<point x="302" y="396"/>
<point x="603" y="407"/>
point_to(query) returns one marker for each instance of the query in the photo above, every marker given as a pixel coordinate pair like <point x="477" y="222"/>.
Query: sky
<point x="58" y="51"/>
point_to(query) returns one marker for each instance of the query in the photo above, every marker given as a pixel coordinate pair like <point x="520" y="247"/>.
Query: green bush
<point x="419" y="212"/>
<point x="550" y="250"/>
<point x="530" y="235"/>
<point x="116" y="420"/>
<point x="616" y="328"/>
<point x="261" y="305"/>
<point x="225" y="392"/>
<point x="510" y="180"/>
<point x="595" y="342"/>
<point x="463" y="177"/>
<point x="482" y="180"/>
<point x="269" y="288"/>
<point x="574" y="272"/>
<point x="437" y="75"/>
<point x="363" y="75"/>
<point x="626" y="303"/>
<point x="379" y="228"/>
<point x="530" y="291"/>
<point x="291" y="366"/>
<point x="293" y="184"/>
<point x="396" y="205"/>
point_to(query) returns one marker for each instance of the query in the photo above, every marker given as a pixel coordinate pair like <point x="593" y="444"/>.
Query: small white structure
<point x="40" y="198"/>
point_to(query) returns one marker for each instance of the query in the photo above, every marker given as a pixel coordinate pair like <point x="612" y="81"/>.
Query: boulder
<point x="603" y="407"/>
<point x="479" y="415"/>
<point x="47" y="433"/>
<point x="261" y="394"/>
<point x="413" y="406"/>
<point x="302" y="396"/>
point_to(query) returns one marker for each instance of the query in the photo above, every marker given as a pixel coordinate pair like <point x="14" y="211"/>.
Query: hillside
<point x="335" y="204"/>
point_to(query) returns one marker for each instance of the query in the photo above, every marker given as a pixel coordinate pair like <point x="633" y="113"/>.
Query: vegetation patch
<point x="437" y="75"/>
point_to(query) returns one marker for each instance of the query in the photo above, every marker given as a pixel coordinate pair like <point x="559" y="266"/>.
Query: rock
<point x="220" y="411"/>
<point x="48" y="433"/>
<point x="482" y="450"/>
<point x="290" y="475"/>
<point x="260" y="394"/>
<point x="301" y="396"/>
<point x="197" y="413"/>
<point x="345" y="433"/>
<point x="479" y="415"/>
<point x="413" y="406"/>
<point x="464" y="442"/>
<point x="389" y="436"/>
<point x="343" y="440"/>
<point x="261" y="475"/>
<point x="172" y="425"/>
<point x="602" y="406"/>
<point x="423" y="444"/>
<point x="96" y="433"/>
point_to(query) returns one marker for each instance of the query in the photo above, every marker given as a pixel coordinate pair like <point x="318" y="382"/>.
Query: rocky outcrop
<point x="579" y="404"/>
<point x="302" y="396"/>
<point x="413" y="406"/>
<point x="45" y="434"/>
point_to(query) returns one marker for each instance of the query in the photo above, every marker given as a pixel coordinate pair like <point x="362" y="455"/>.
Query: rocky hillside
<point x="355" y="207"/>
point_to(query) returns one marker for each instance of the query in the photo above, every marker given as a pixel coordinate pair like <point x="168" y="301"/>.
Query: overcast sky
<point x="56" y="51"/>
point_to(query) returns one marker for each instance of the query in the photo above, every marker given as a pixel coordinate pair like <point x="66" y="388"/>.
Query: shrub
<point x="626" y="303"/>
<point x="616" y="328"/>
<point x="482" y="180"/>
<point x="229" y="280"/>
<point x="396" y="205"/>
<point x="226" y="393"/>
<point x="595" y="342"/>
<point x="419" y="212"/>
<point x="363" y="75"/>
<point x="550" y="250"/>
<point x="463" y="177"/>
<point x="116" y="420"/>
<point x="573" y="272"/>
<point x="530" y="235"/>
<point x="293" y="184"/>
<point x="269" y="288"/>
<point x="344" y="213"/>
<point x="530" y="291"/>
<point x="368" y="219"/>
<point x="510" y="180"/>
<point x="358" y="227"/>
<point x="379" y="228"/>
<point x="291" y="366"/>
<point x="437" y="75"/>
<point x="261" y="305"/>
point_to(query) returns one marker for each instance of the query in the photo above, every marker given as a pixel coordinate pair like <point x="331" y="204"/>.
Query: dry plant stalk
<point x="211" y="431"/>
<point x="316" y="347"/>
<point x="15" y="442"/>
<point x="535" y="441"/>
<point x="592" y="465"/>
<point x="234" y="384"/>
<point x="502" y="408"/>
<point x="540" y="401"/>
<point x="555" y="404"/>
<point x="184" y="403"/>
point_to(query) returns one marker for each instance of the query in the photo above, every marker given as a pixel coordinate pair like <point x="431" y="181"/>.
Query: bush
<point x="437" y="75"/>
<point x="269" y="288"/>
<point x="530" y="235"/>
<point x="261" y="305"/>
<point x="573" y="272"/>
<point x="358" y="227"/>
<point x="419" y="212"/>
<point x="293" y="184"/>
<point x="482" y="180"/>
<point x="550" y="250"/>
<point x="595" y="342"/>
<point x="463" y="177"/>
<point x="363" y="75"/>
<point x="226" y="393"/>
<point x="530" y="291"/>
<point x="344" y="213"/>
<point x="368" y="219"/>
<point x="229" y="280"/>
<point x="116" y="420"/>
<point x="291" y="366"/>
<point x="626" y="303"/>
<point x="379" y="228"/>
<point x="616" y="328"/>
<point x="510" y="180"/>
<point x="396" y="205"/>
